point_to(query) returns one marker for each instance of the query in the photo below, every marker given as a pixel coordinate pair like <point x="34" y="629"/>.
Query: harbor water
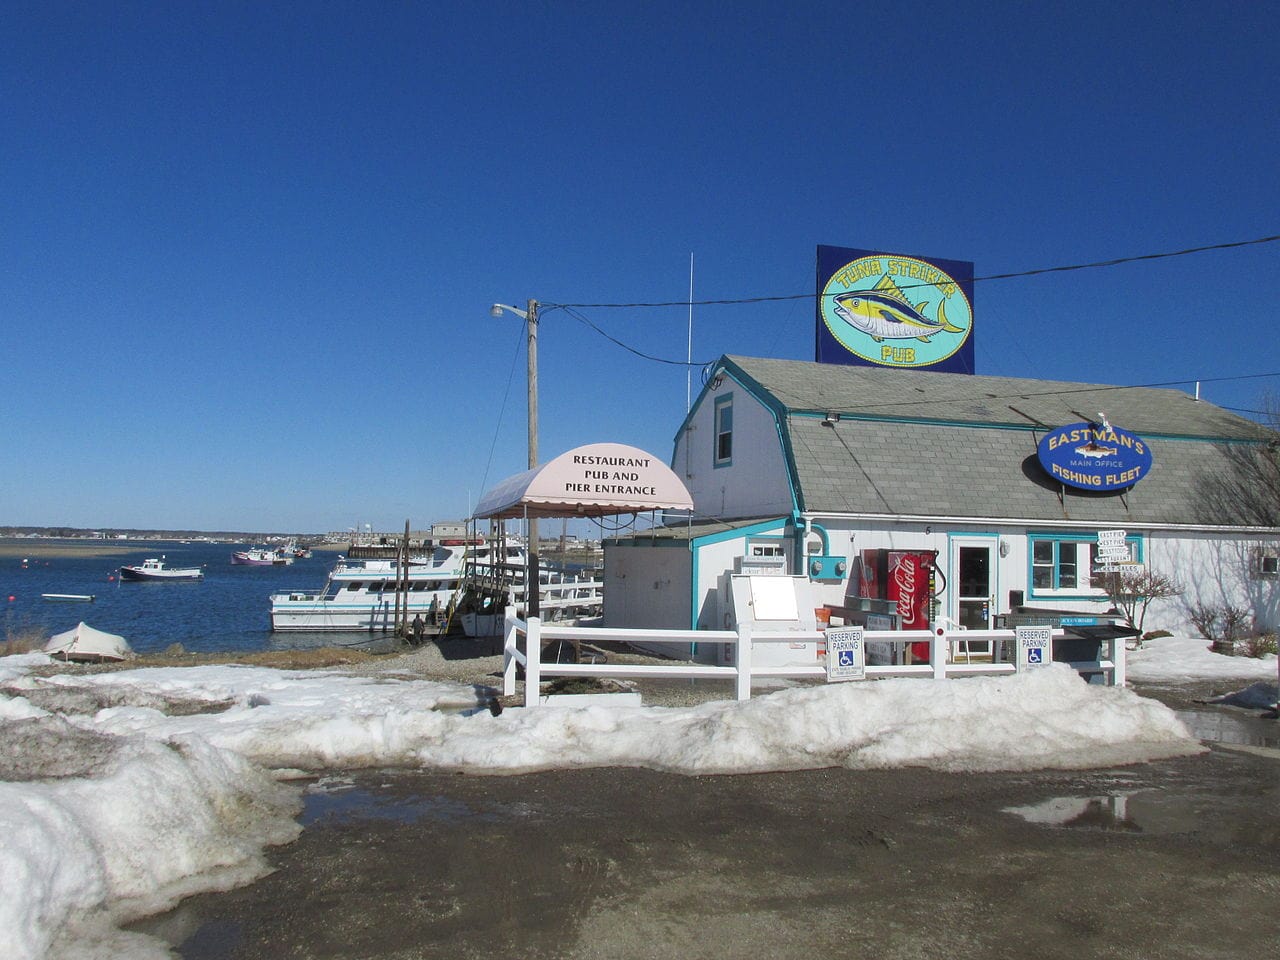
<point x="229" y="610"/>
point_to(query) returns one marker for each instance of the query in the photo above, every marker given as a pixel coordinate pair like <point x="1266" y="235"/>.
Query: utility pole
<point x="532" y="606"/>
<point x="530" y="317"/>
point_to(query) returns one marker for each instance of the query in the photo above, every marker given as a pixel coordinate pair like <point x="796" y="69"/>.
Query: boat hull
<point x="372" y="616"/>
<point x="128" y="573"/>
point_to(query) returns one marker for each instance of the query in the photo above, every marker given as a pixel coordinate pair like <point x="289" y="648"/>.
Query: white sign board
<point x="1112" y="546"/>
<point x="1034" y="647"/>
<point x="846" y="654"/>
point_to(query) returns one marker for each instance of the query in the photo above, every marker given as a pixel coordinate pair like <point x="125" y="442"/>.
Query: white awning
<point x="598" y="480"/>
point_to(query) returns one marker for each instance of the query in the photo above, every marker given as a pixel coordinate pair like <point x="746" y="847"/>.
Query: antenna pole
<point x="688" y="373"/>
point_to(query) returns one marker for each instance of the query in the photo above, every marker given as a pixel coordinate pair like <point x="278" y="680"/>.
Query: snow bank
<point x="1181" y="659"/>
<point x="136" y="825"/>
<point x="125" y="791"/>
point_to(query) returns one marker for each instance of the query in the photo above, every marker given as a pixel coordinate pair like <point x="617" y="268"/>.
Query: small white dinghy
<point x="84" y="644"/>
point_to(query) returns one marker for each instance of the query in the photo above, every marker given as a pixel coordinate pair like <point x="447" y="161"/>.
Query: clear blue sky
<point x="248" y="250"/>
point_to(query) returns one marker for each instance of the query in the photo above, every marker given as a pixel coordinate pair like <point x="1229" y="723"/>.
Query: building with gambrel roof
<point x="808" y="461"/>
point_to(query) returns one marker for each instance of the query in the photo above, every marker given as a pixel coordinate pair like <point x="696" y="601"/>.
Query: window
<point x="724" y="431"/>
<point x="1065" y="565"/>
<point x="1267" y="564"/>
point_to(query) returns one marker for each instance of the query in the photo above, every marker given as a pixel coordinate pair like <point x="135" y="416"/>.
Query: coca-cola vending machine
<point x="906" y="579"/>
<point x="910" y="586"/>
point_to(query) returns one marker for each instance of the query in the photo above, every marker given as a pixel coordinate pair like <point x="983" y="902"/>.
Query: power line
<point x="909" y="286"/>
<point x="1091" y="388"/>
<point x="582" y="319"/>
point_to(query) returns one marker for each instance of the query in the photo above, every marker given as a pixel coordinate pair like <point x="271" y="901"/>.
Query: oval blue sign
<point x="1094" y="456"/>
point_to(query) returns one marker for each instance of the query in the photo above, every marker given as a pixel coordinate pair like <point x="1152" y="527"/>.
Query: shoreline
<point x="50" y="548"/>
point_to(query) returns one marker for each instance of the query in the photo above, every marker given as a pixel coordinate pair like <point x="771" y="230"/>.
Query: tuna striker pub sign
<point x="886" y="310"/>
<point x="1094" y="456"/>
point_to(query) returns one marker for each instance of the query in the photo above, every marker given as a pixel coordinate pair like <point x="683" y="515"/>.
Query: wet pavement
<point x="1172" y="859"/>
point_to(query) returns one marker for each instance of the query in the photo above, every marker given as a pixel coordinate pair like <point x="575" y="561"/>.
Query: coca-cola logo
<point x="904" y="575"/>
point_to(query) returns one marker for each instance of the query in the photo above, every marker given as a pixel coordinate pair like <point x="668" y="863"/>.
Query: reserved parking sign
<point x="846" y="654"/>
<point x="1034" y="647"/>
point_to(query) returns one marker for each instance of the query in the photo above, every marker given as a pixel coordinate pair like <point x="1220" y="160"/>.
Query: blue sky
<point x="248" y="250"/>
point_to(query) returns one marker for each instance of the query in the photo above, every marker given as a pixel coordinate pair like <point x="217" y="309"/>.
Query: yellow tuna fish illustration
<point x="884" y="313"/>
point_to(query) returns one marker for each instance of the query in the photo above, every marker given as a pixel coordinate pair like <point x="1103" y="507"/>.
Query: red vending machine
<point x="906" y="579"/>
<point x="910" y="585"/>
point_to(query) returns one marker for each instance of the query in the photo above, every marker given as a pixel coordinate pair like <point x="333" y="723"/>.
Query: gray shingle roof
<point x="962" y="398"/>
<point x="936" y="444"/>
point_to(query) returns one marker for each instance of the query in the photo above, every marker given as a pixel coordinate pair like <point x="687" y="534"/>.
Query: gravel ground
<point x="1177" y="859"/>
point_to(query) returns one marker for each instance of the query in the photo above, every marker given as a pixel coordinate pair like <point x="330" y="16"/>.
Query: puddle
<point x="1140" y="812"/>
<point x="347" y="803"/>
<point x="191" y="936"/>
<point x="339" y="799"/>
<point x="1230" y="726"/>
<point x="1093" y="813"/>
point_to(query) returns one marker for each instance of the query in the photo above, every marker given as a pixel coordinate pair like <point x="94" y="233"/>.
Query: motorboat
<point x="361" y="594"/>
<point x="155" y="568"/>
<point x="262" y="557"/>
<point x="464" y="580"/>
<point x="68" y="597"/>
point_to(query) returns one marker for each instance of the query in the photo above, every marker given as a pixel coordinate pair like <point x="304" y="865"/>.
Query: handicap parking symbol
<point x="1035" y="655"/>
<point x="846" y="658"/>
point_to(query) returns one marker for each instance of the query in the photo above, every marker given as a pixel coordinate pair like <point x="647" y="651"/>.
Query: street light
<point x="530" y="316"/>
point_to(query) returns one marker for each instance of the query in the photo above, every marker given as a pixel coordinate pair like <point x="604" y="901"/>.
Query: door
<point x="973" y="571"/>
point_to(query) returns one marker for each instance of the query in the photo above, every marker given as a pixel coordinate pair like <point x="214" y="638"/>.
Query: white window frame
<point x="723" y="412"/>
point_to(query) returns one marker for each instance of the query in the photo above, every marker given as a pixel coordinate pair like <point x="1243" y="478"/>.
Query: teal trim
<point x="780" y="413"/>
<point x="740" y="533"/>
<point x="693" y="594"/>
<point x="1138" y="539"/>
<point x="747" y="531"/>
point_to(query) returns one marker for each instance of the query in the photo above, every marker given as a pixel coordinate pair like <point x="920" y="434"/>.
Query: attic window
<point x="724" y="431"/>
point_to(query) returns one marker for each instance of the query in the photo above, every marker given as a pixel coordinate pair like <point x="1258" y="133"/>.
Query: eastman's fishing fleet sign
<point x="894" y="311"/>
<point x="1095" y="456"/>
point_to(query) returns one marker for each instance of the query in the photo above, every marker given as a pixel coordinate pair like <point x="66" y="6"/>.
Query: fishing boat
<point x="262" y="557"/>
<point x="156" y="569"/>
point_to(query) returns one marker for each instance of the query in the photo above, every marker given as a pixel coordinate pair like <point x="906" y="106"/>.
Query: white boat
<point x="69" y="597"/>
<point x="156" y="569"/>
<point x="467" y="581"/>
<point x="262" y="557"/>
<point x="360" y="594"/>
<point x="492" y="586"/>
<point x="84" y="644"/>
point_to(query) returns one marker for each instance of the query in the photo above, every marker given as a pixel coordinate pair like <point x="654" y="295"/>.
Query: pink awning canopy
<point x="598" y="480"/>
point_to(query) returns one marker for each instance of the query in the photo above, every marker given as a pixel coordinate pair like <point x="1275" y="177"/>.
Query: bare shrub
<point x="1258" y="645"/>
<point x="24" y="639"/>
<point x="1205" y="619"/>
<point x="1133" y="589"/>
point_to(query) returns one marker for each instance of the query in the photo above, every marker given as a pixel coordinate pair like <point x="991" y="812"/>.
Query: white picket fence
<point x="950" y="655"/>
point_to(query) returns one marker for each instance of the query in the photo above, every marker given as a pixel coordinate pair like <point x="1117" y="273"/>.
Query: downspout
<point x="803" y="525"/>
